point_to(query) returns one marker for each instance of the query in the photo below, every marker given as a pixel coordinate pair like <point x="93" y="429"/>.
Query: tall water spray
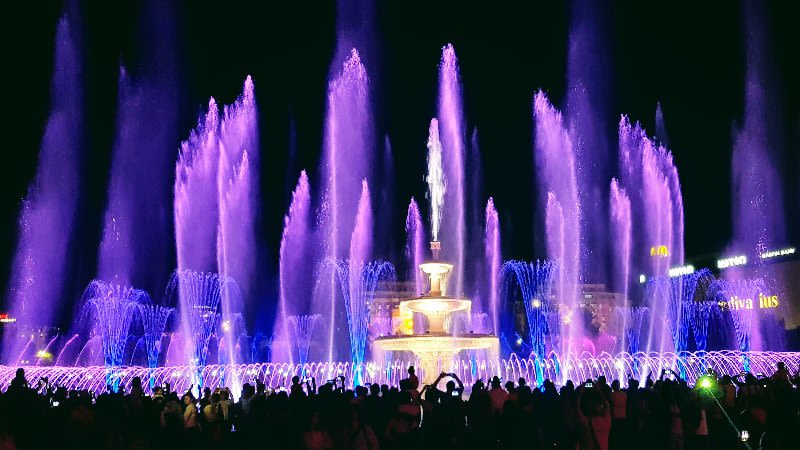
<point x="237" y="182"/>
<point x="48" y="211"/>
<point x="451" y="132"/>
<point x="758" y="219"/>
<point x="555" y="160"/>
<point x="196" y="211"/>
<point x="620" y="219"/>
<point x="347" y="160"/>
<point x="294" y="268"/>
<point x="589" y="86"/>
<point x="648" y="169"/>
<point x="493" y="260"/>
<point x="136" y="222"/>
<point x="359" y="277"/>
<point x="415" y="246"/>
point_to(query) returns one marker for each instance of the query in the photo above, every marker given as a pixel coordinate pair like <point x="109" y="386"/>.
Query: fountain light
<point x="226" y="326"/>
<point x="642" y="279"/>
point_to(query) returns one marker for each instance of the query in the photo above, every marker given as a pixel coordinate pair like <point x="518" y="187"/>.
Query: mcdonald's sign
<point x="659" y="250"/>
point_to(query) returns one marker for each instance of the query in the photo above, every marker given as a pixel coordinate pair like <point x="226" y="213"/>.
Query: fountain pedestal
<point x="436" y="347"/>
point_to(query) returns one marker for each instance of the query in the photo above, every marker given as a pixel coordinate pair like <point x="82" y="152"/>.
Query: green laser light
<point x="705" y="383"/>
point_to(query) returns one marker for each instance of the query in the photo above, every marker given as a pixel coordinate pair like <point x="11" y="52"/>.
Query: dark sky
<point x="687" y="55"/>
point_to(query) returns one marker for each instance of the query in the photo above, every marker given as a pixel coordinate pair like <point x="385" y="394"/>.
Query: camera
<point x="745" y="435"/>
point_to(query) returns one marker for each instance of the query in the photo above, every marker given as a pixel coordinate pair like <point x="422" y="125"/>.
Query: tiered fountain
<point x="437" y="346"/>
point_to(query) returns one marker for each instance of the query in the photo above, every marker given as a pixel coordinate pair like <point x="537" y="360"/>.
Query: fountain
<point x="436" y="346"/>
<point x="339" y="309"/>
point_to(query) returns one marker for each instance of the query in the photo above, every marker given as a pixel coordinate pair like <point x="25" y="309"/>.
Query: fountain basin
<point x="436" y="308"/>
<point x="431" y="349"/>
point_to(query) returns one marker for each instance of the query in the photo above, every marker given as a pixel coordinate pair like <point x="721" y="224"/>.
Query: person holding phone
<point x="594" y="417"/>
<point x="497" y="396"/>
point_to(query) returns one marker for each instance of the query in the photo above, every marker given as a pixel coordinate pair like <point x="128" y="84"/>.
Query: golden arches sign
<point x="660" y="250"/>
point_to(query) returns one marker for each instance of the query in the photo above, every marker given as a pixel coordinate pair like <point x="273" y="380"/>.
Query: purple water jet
<point x="347" y="160"/>
<point x="293" y="265"/>
<point x="196" y="209"/>
<point x="132" y="251"/>
<point x="657" y="216"/>
<point x="415" y="246"/>
<point x="196" y="197"/>
<point x="48" y="211"/>
<point x="758" y="219"/>
<point x="237" y="182"/>
<point x="620" y="215"/>
<point x="361" y="239"/>
<point x="493" y="261"/>
<point x="555" y="160"/>
<point x="451" y="130"/>
<point x="588" y="91"/>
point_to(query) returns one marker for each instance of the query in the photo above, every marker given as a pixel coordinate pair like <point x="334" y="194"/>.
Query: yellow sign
<point x="660" y="251"/>
<point x="736" y="304"/>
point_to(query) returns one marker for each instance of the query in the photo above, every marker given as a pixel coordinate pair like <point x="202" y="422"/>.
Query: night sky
<point x="689" y="56"/>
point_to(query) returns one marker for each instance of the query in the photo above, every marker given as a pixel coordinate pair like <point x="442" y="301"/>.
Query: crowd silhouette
<point x="746" y="411"/>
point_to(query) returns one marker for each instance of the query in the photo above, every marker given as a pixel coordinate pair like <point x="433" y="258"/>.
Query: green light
<point x="705" y="383"/>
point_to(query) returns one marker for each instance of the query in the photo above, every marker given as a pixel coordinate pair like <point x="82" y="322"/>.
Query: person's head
<point x="224" y="394"/>
<point x="633" y="384"/>
<point x="521" y="382"/>
<point x="451" y="386"/>
<point x="601" y="380"/>
<point x="781" y="365"/>
<point x="158" y="391"/>
<point x="510" y="386"/>
<point x="374" y="389"/>
<point x="206" y="392"/>
<point x="384" y="389"/>
<point x="361" y="391"/>
<point x="295" y="379"/>
<point x="188" y="399"/>
<point x="495" y="382"/>
<point x="247" y="390"/>
<point x="615" y="385"/>
<point x="411" y="370"/>
<point x="20" y="373"/>
<point x="136" y="383"/>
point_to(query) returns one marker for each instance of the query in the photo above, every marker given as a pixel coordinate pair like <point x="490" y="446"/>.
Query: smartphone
<point x="55" y="403"/>
<point x="589" y="385"/>
<point x="745" y="435"/>
<point x="454" y="394"/>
